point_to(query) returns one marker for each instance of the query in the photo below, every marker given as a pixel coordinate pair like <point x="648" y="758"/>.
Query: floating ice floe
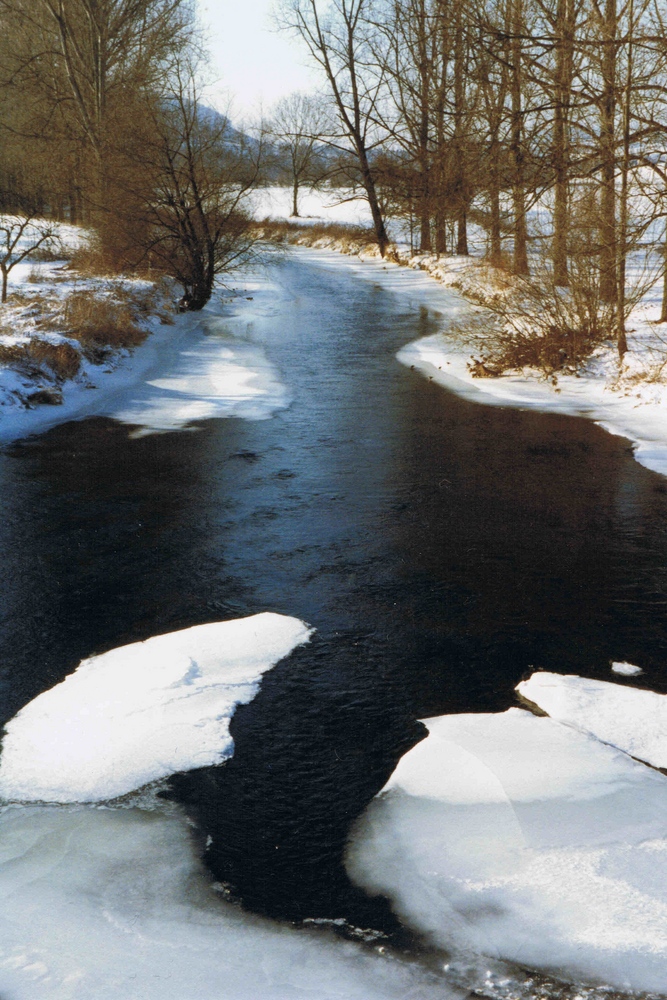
<point x="523" y="839"/>
<point x="111" y="904"/>
<point x="141" y="712"/>
<point x="632" y="719"/>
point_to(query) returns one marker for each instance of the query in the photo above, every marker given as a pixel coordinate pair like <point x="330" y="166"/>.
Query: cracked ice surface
<point x="520" y="838"/>
<point x="632" y="719"/>
<point x="104" y="904"/>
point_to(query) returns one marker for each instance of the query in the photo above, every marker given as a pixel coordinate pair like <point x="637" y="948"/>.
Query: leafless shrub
<point x="543" y="326"/>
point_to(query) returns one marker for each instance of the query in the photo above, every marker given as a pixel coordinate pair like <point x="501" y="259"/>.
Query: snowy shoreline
<point x="450" y="288"/>
<point x="196" y="367"/>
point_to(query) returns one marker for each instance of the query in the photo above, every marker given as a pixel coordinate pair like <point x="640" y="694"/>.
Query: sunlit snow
<point x="633" y="719"/>
<point x="520" y="838"/>
<point x="216" y="375"/>
<point x="141" y="712"/>
<point x="111" y="904"/>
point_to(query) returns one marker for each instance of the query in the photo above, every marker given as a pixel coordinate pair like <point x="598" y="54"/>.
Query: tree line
<point x="543" y="122"/>
<point x="101" y="123"/>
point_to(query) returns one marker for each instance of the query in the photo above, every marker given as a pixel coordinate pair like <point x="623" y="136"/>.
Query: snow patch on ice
<point x="111" y="903"/>
<point x="632" y="719"/>
<point x="205" y="381"/>
<point x="519" y="838"/>
<point x="626" y="669"/>
<point x="141" y="712"/>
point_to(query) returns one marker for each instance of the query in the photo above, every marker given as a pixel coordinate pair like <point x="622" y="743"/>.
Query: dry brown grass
<point x="279" y="231"/>
<point x="63" y="360"/>
<point x="12" y="354"/>
<point x="100" y="321"/>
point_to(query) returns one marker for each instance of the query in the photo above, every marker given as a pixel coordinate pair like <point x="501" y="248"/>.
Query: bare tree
<point x="21" y="236"/>
<point x="336" y="35"/>
<point x="192" y="174"/>
<point x="80" y="68"/>
<point x="298" y="122"/>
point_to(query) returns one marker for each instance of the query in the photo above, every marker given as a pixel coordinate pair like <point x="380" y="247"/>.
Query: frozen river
<point x="442" y="550"/>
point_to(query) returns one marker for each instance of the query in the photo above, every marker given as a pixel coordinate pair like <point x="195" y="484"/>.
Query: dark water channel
<point x="441" y="548"/>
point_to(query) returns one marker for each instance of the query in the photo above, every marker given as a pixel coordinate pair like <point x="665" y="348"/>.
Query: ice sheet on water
<point x="633" y="719"/>
<point x="520" y="838"/>
<point x="104" y="904"/>
<point x="140" y="712"/>
<point x="213" y="377"/>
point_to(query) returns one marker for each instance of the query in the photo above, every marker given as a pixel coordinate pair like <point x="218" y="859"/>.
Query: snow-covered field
<point x="314" y="206"/>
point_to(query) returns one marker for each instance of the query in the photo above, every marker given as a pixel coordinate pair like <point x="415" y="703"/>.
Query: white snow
<point x="141" y="712"/>
<point x="205" y="365"/>
<point x="324" y="205"/>
<point x="215" y="374"/>
<point x="626" y="669"/>
<point x="516" y="837"/>
<point x="110" y="904"/>
<point x="632" y="719"/>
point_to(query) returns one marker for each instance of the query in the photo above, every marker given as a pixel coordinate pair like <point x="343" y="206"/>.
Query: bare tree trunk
<point x="494" y="205"/>
<point x="4" y="284"/>
<point x="462" y="184"/>
<point x="516" y="142"/>
<point x="295" y="198"/>
<point x="462" y="233"/>
<point x="424" y="129"/>
<point x="561" y="153"/>
<point x="608" y="277"/>
<point x="622" y="244"/>
<point x="663" y="311"/>
<point x="368" y="182"/>
<point x="354" y="106"/>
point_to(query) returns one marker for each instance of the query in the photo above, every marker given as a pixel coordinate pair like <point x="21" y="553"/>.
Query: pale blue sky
<point x="251" y="60"/>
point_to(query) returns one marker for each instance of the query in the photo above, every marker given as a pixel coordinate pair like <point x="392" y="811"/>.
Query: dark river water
<point x="441" y="548"/>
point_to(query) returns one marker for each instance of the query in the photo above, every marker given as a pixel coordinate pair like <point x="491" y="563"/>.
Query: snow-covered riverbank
<point x="189" y="367"/>
<point x="630" y="401"/>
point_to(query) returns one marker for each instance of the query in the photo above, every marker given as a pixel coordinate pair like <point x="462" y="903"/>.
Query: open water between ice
<point x="441" y="549"/>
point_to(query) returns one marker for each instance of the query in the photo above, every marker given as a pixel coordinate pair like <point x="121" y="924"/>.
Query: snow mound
<point x="111" y="903"/>
<point x="632" y="719"/>
<point x="522" y="839"/>
<point x="141" y="712"/>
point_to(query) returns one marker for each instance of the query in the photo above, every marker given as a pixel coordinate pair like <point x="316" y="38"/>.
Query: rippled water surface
<point x="441" y="548"/>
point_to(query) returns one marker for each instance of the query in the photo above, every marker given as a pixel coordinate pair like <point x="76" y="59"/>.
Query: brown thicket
<point x="101" y="123"/>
